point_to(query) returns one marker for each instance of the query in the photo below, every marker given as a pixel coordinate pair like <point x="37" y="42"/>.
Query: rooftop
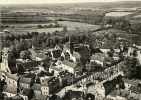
<point x="98" y="56"/>
<point x="12" y="76"/>
<point x="25" y="80"/>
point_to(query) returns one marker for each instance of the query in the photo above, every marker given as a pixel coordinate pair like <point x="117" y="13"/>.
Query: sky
<point x="54" y="1"/>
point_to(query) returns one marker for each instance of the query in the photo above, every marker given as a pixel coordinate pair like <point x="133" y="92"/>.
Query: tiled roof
<point x="12" y="76"/>
<point x="37" y="53"/>
<point x="25" y="80"/>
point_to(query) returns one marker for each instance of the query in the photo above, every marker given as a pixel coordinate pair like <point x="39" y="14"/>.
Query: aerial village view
<point x="70" y="51"/>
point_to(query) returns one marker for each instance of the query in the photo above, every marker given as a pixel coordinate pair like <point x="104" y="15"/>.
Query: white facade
<point x="11" y="80"/>
<point x="68" y="68"/>
<point x="45" y="90"/>
<point x="25" y="85"/>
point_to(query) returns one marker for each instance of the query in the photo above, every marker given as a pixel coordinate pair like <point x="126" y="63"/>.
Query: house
<point x="37" y="89"/>
<point x="45" y="89"/>
<point x="27" y="94"/>
<point x="11" y="80"/>
<point x="71" y="66"/>
<point x="98" y="58"/>
<point x="54" y="85"/>
<point x="77" y="56"/>
<point x="99" y="89"/>
<point x="8" y="96"/>
<point x="25" y="82"/>
<point x="11" y="88"/>
<point x="45" y="79"/>
<point x="55" y="52"/>
<point x="25" y="65"/>
<point x="42" y="88"/>
<point x="56" y="70"/>
<point x="37" y="55"/>
<point x="68" y="55"/>
<point x="65" y="65"/>
<point x="66" y="78"/>
<point x="9" y="92"/>
<point x="41" y="97"/>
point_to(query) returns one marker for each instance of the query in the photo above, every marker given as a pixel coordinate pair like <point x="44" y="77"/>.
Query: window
<point x="42" y="81"/>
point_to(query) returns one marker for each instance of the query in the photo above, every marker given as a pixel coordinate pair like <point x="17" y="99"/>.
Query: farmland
<point x="118" y="14"/>
<point x="78" y="25"/>
<point x="24" y="28"/>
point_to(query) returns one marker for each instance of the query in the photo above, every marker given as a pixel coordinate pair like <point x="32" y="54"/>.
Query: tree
<point x="25" y="54"/>
<point x="85" y="55"/>
<point x="2" y="86"/>
<point x="47" y="63"/>
<point x="39" y="26"/>
<point x="65" y="29"/>
<point x="131" y="67"/>
<point x="12" y="61"/>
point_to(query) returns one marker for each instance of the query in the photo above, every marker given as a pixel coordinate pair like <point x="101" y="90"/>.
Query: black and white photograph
<point x="70" y="49"/>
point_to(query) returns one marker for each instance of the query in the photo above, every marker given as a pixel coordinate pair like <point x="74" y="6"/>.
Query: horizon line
<point x="50" y="3"/>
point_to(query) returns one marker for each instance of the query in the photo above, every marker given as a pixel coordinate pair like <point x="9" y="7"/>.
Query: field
<point x="24" y="28"/>
<point x="78" y="25"/>
<point x="117" y="14"/>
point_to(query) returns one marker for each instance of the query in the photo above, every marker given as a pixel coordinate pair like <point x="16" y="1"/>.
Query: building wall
<point x="45" y="90"/>
<point x="24" y="97"/>
<point x="25" y="85"/>
<point x="68" y="68"/>
<point x="9" y="94"/>
<point x="4" y="64"/>
<point x="11" y="85"/>
<point x="37" y="93"/>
